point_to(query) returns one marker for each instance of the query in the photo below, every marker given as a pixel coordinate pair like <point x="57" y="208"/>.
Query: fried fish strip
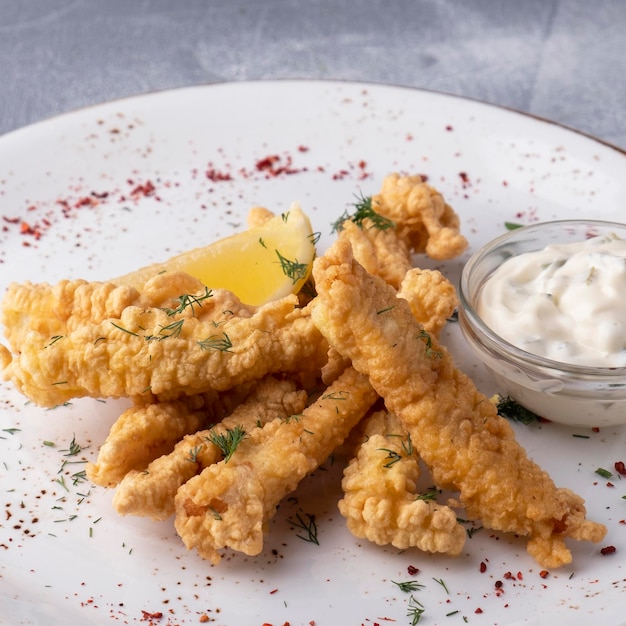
<point x="380" y="502"/>
<point x="54" y="310"/>
<point x="150" y="493"/>
<point x="455" y="429"/>
<point x="381" y="252"/>
<point x="421" y="215"/>
<point x="147" y="350"/>
<point x="229" y="504"/>
<point x="144" y="432"/>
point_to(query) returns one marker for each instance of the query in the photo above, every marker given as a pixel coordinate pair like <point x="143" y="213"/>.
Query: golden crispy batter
<point x="54" y="310"/>
<point x="381" y="252"/>
<point x="230" y="503"/>
<point x="422" y="216"/>
<point x="380" y="502"/>
<point x="150" y="493"/>
<point x="144" y="432"/>
<point x="46" y="309"/>
<point x="431" y="296"/>
<point x="455" y="429"/>
<point x="258" y="215"/>
<point x="148" y="350"/>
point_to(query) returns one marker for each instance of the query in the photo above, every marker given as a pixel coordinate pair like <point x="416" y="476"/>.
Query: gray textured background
<point x="560" y="59"/>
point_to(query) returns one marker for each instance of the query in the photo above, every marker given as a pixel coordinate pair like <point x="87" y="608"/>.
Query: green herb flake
<point x="228" y="441"/>
<point x="604" y="472"/>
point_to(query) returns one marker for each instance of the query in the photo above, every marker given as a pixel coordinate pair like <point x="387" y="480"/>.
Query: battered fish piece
<point x="380" y="502"/>
<point x="455" y="429"/>
<point x="381" y="252"/>
<point x="421" y="215"/>
<point x="431" y="296"/>
<point x="229" y="504"/>
<point x="54" y="310"/>
<point x="151" y="492"/>
<point x="149" y="350"/>
<point x="144" y="432"/>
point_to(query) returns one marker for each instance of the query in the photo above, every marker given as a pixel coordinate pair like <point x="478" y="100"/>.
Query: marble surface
<point x="560" y="59"/>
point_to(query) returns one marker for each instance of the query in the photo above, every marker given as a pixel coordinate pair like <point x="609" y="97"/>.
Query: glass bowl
<point x="575" y="395"/>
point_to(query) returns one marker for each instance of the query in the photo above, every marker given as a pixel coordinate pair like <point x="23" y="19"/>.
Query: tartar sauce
<point x="566" y="302"/>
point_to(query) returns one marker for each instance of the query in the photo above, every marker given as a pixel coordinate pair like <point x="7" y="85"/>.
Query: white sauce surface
<point x="566" y="302"/>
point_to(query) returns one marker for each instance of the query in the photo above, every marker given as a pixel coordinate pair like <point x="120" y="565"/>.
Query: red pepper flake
<point x="478" y="610"/>
<point x="483" y="567"/>
<point x="146" y="615"/>
<point x="464" y="179"/>
<point x="273" y="591"/>
<point x="620" y="468"/>
<point x="544" y="573"/>
<point x="412" y="570"/>
<point x="303" y="148"/>
<point x="85" y="201"/>
<point x="608" y="550"/>
<point x="217" y="176"/>
<point x="147" y="189"/>
<point x="610" y="484"/>
<point x="204" y="618"/>
<point x="498" y="584"/>
<point x="508" y="576"/>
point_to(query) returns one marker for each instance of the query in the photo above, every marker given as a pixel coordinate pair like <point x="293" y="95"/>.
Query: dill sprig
<point x="408" y="586"/>
<point x="228" y="441"/>
<point x="308" y="525"/>
<point x="430" y="494"/>
<point x="187" y="301"/>
<point x="431" y="353"/>
<point x="292" y="269"/>
<point x="216" y="342"/>
<point x="415" y="611"/>
<point x="364" y="210"/>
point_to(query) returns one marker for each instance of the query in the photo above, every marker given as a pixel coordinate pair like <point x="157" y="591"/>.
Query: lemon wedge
<point x="259" y="264"/>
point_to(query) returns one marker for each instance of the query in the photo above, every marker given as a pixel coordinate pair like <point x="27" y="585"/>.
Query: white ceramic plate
<point x="98" y="192"/>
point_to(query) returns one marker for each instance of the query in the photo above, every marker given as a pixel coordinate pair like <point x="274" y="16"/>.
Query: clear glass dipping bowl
<point x="574" y="395"/>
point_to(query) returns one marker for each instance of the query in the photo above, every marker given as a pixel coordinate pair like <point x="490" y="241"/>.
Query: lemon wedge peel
<point x="259" y="265"/>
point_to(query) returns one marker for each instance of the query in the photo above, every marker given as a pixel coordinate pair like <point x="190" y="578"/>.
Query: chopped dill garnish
<point x="430" y="494"/>
<point x="228" y="441"/>
<point x="408" y="586"/>
<point x="124" y="330"/>
<point x="392" y="456"/>
<point x="53" y="340"/>
<point x="189" y="301"/>
<point x="193" y="453"/>
<point x="171" y="330"/>
<point x="308" y="525"/>
<point x="415" y="610"/>
<point x="292" y="269"/>
<point x="430" y="352"/>
<point x="364" y="210"/>
<point x="216" y="342"/>
<point x="604" y="472"/>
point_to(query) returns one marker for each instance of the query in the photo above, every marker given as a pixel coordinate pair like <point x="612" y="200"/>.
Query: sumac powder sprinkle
<point x="483" y="567"/>
<point x="608" y="550"/>
<point x="498" y="584"/>
<point x="544" y="573"/>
